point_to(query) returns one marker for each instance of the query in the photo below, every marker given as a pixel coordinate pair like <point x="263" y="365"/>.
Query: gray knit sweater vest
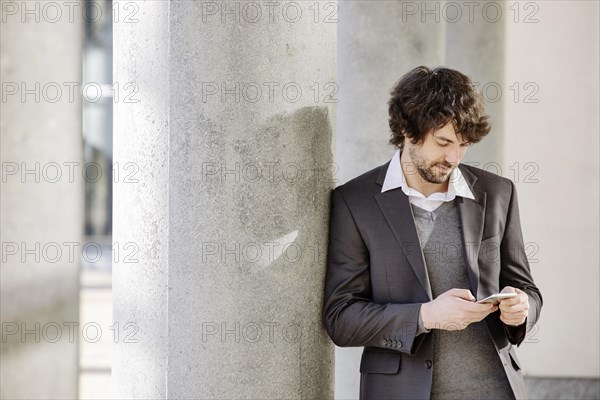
<point x="465" y="363"/>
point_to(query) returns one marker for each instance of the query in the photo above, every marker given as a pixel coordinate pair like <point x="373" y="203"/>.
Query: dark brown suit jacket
<point x="376" y="279"/>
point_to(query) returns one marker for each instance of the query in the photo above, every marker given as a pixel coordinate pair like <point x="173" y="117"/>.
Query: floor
<point x="95" y="316"/>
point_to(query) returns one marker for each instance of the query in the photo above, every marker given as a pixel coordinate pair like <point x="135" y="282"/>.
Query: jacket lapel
<point x="395" y="206"/>
<point x="472" y="218"/>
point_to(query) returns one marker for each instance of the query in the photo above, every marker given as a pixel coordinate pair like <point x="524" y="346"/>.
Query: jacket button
<point x="399" y="343"/>
<point x="384" y="343"/>
<point x="428" y="364"/>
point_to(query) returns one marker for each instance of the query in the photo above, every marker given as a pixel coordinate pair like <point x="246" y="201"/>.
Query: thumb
<point x="464" y="294"/>
<point x="508" y="289"/>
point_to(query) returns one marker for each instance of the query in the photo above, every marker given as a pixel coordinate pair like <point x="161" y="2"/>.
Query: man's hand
<point x="514" y="311"/>
<point x="454" y="310"/>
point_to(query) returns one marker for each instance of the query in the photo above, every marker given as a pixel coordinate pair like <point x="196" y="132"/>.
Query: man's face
<point x="439" y="154"/>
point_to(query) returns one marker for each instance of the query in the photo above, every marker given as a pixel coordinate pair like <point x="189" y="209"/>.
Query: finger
<point x="504" y="306"/>
<point x="516" y="316"/>
<point x="468" y="295"/>
<point x="508" y="289"/>
<point x="507" y="302"/>
<point x="512" y="317"/>
<point x="512" y="300"/>
<point x="477" y="308"/>
<point x="521" y="307"/>
<point x="524" y="297"/>
<point x="521" y="297"/>
<point x="478" y="316"/>
<point x="463" y="294"/>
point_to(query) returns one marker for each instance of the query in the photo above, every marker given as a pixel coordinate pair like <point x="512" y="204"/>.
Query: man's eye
<point x="442" y="145"/>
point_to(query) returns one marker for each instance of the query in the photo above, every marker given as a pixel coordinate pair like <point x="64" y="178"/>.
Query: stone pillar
<point x="226" y="205"/>
<point x="41" y="199"/>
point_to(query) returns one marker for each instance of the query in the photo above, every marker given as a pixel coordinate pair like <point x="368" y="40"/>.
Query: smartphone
<point x="496" y="297"/>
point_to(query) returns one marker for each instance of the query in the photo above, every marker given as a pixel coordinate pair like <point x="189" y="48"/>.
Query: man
<point x="415" y="242"/>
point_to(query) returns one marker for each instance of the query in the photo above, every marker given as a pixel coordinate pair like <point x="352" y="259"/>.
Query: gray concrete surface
<point x="227" y="289"/>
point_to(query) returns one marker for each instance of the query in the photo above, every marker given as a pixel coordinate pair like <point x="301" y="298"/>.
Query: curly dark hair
<point x="424" y="100"/>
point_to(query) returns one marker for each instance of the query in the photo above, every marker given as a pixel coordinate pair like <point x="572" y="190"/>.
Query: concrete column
<point x="225" y="213"/>
<point x="41" y="199"/>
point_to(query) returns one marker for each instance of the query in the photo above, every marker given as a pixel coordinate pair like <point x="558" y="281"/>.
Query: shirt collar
<point x="394" y="178"/>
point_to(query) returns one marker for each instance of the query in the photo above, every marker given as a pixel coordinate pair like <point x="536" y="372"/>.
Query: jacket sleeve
<point x="515" y="271"/>
<point x="350" y="316"/>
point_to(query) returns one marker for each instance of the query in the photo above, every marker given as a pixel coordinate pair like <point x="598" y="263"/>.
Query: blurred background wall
<point x="55" y="207"/>
<point x="41" y="202"/>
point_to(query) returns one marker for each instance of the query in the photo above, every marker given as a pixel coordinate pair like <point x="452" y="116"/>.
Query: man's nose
<point x="453" y="157"/>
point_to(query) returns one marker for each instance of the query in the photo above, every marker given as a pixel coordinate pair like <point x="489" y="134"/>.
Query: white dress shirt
<point x="394" y="178"/>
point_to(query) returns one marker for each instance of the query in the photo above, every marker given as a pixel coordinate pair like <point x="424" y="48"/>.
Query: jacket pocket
<point x="380" y="362"/>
